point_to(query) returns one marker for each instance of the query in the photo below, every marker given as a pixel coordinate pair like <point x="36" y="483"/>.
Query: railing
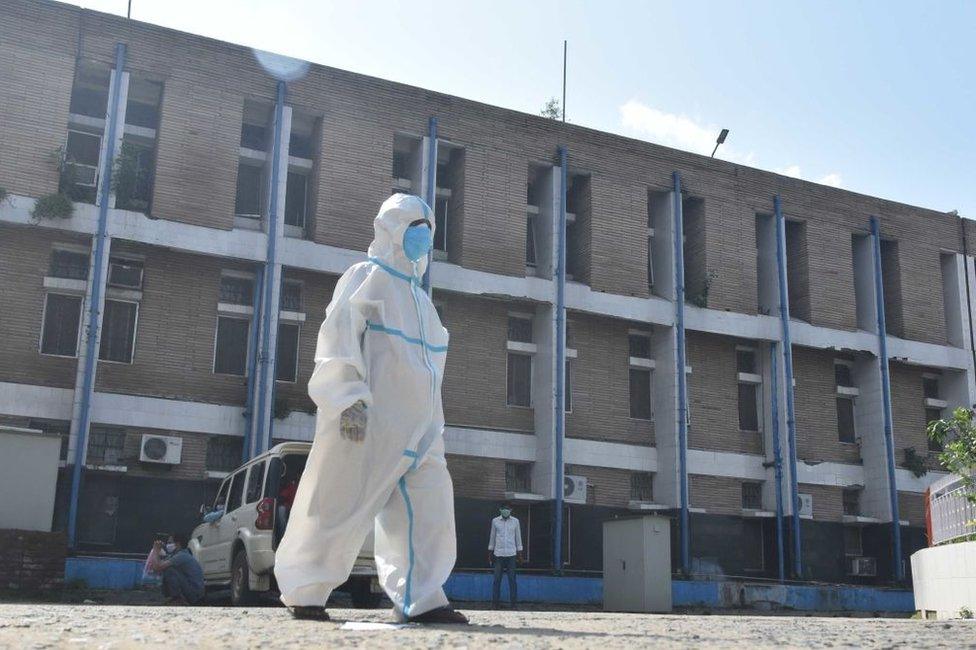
<point x="951" y="514"/>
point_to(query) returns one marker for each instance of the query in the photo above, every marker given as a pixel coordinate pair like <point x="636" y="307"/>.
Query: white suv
<point x="236" y="543"/>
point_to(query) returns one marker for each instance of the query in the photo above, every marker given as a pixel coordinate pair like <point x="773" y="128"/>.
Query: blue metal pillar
<point x="252" y="365"/>
<point x="784" y="316"/>
<point x="777" y="459"/>
<point x="97" y="280"/>
<point x="431" y="194"/>
<point x="559" y="408"/>
<point x="682" y="375"/>
<point x="899" y="570"/>
<point x="269" y="312"/>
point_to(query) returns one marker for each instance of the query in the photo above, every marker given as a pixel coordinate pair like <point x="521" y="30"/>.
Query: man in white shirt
<point x="504" y="551"/>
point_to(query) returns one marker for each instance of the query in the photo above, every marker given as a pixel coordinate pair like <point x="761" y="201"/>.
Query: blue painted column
<point x="682" y="375"/>
<point x="270" y="303"/>
<point x="252" y="363"/>
<point x="430" y="195"/>
<point x="777" y="459"/>
<point x="101" y="243"/>
<point x="559" y="407"/>
<point x="899" y="570"/>
<point x="787" y="342"/>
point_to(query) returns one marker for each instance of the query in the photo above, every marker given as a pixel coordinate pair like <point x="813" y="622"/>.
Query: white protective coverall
<point x="382" y="342"/>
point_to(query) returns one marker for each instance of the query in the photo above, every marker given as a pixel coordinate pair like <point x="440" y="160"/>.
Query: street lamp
<point x="721" y="138"/>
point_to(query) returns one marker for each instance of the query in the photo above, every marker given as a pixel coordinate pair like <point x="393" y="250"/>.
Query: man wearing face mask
<point x="377" y="459"/>
<point x="504" y="552"/>
<point x="182" y="574"/>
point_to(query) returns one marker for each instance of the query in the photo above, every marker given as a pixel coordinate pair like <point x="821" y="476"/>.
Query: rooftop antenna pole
<point x="564" y="81"/>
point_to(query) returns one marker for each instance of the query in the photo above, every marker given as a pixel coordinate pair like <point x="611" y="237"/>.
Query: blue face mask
<point x="417" y="241"/>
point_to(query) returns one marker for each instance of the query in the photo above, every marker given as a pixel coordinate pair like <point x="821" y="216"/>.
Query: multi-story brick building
<point x="237" y="188"/>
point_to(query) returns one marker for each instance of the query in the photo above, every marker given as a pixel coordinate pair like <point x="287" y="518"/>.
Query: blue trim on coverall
<point x="392" y="331"/>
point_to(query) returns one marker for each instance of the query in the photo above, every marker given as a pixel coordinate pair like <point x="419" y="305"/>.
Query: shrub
<point x="53" y="206"/>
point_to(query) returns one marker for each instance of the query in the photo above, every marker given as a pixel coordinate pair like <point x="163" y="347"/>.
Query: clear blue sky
<point x="876" y="97"/>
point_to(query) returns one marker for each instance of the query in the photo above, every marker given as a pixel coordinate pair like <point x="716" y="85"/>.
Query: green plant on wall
<point x="957" y="437"/>
<point x="3" y="195"/>
<point x="53" y="206"/>
<point x="69" y="178"/>
<point x="914" y="463"/>
<point x="130" y="178"/>
<point x="698" y="296"/>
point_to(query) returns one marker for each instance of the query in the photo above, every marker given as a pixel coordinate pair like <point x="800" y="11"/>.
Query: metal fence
<point x="952" y="515"/>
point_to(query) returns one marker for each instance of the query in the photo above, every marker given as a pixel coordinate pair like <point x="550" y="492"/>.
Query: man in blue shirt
<point x="505" y="550"/>
<point x="182" y="574"/>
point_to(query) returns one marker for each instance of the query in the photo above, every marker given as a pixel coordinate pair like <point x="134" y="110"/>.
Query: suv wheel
<point x="240" y="576"/>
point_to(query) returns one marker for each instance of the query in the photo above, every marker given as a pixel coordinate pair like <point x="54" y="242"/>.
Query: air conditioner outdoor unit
<point x="806" y="505"/>
<point x="165" y="450"/>
<point x="864" y="566"/>
<point x="574" y="489"/>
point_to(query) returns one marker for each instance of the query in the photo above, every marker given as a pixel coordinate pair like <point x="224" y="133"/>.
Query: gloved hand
<point x="352" y="422"/>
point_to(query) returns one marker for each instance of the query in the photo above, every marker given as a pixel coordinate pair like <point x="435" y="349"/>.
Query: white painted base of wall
<point x="945" y="579"/>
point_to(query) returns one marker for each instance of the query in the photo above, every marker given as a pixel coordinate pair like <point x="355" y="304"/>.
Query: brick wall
<point x="24" y="261"/>
<point x="174" y="343"/>
<point x="713" y="398"/>
<point x="828" y="503"/>
<point x="908" y="409"/>
<point x="911" y="508"/>
<point x="32" y="561"/>
<point x="815" y="396"/>
<point x="605" y="486"/>
<point x="475" y="377"/>
<point x="718" y="495"/>
<point x="477" y="478"/>
<point x="601" y="383"/>
<point x="193" y="455"/>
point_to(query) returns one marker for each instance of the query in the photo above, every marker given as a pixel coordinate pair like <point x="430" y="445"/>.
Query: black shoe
<point x="309" y="613"/>
<point x="446" y="615"/>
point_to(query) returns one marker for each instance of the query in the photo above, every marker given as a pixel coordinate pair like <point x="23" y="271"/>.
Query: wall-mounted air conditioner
<point x="574" y="489"/>
<point x="806" y="505"/>
<point x="165" y="450"/>
<point x="864" y="566"/>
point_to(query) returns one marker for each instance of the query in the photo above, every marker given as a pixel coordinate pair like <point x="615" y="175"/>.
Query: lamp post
<point x="721" y="139"/>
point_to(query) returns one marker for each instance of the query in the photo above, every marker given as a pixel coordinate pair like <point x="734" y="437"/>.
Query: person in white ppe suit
<point x="378" y="454"/>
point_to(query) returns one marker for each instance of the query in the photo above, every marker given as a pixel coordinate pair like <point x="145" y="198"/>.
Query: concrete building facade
<point x="209" y="182"/>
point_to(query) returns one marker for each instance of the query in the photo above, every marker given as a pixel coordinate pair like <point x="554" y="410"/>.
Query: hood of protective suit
<point x="395" y="215"/>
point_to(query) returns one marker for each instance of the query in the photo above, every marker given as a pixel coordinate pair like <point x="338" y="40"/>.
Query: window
<point x="401" y="163"/>
<point x="845" y="420"/>
<point x="891" y="285"/>
<point x="291" y="295"/>
<point x="79" y="173"/>
<point x="221" y="499"/>
<point x="519" y="379"/>
<point x="125" y="273"/>
<point x="236" y="492"/>
<point x="843" y="376"/>
<point x="639" y="349"/>
<point x="518" y="477"/>
<point x="59" y="331"/>
<point x="640" y="394"/>
<point x="132" y="177"/>
<point x="118" y="331"/>
<point x="749" y="384"/>
<point x="250" y="189"/>
<point x="751" y="496"/>
<point x="568" y="387"/>
<point x="531" y="254"/>
<point x="300" y="145"/>
<point x="440" y="223"/>
<point x="224" y="453"/>
<point x="851" y="499"/>
<point x="933" y="414"/>
<point x="142" y="103"/>
<point x="68" y="264"/>
<point x="642" y="487"/>
<point x="254" y="135"/>
<point x="693" y="249"/>
<point x="577" y="211"/>
<point x="230" y="350"/>
<point x="852" y="541"/>
<point x="105" y="445"/>
<point x="237" y="290"/>
<point x="286" y="368"/>
<point x="930" y="387"/>
<point x="255" y="481"/>
<point x="650" y="247"/>
<point x="533" y="190"/>
<point x="296" y="199"/>
<point x="797" y="270"/>
<point x="89" y="93"/>
<point x="519" y="329"/>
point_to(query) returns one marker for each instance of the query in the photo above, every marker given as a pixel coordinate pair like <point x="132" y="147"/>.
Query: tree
<point x="957" y="437"/>
<point x="551" y="109"/>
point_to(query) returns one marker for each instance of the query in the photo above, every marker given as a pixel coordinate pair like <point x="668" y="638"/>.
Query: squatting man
<point x="377" y="460"/>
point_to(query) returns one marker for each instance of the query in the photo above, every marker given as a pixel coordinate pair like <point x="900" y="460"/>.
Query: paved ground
<point x="126" y="626"/>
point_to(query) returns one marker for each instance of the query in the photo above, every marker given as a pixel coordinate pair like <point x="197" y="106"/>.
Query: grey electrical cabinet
<point x="637" y="564"/>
